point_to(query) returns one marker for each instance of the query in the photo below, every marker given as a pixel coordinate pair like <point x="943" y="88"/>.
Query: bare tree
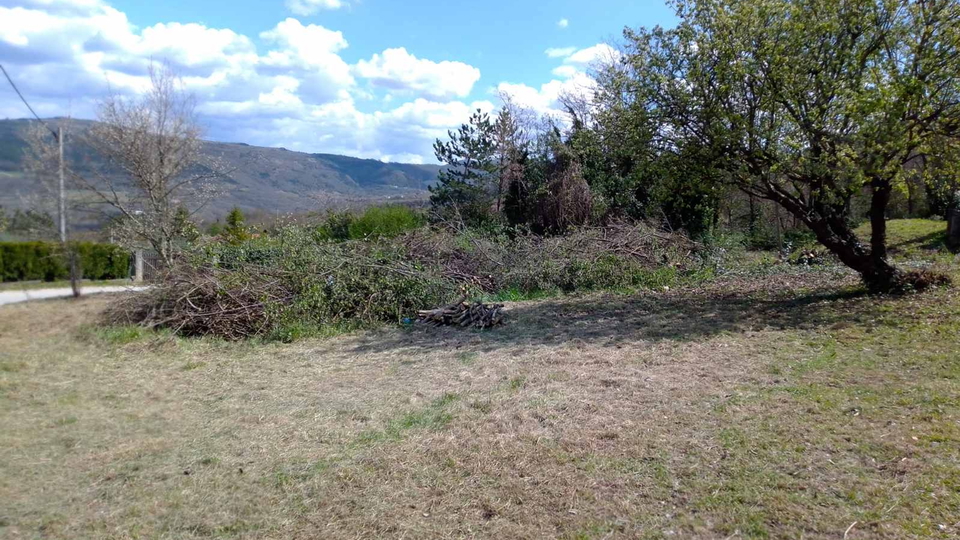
<point x="41" y="161"/>
<point x="151" y="163"/>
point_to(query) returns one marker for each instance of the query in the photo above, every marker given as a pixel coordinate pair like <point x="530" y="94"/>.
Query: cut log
<point x="464" y="315"/>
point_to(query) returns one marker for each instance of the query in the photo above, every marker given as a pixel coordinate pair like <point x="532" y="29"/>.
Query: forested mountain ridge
<point x="259" y="178"/>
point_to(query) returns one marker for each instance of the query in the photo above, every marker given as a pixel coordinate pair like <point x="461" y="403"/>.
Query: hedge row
<point x="30" y="261"/>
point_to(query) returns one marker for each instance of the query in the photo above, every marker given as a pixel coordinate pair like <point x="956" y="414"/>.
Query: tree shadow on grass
<point x="607" y="320"/>
<point x="934" y="241"/>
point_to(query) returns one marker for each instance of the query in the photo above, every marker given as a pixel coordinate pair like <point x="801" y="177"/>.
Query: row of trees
<point x="26" y="223"/>
<point x="805" y="103"/>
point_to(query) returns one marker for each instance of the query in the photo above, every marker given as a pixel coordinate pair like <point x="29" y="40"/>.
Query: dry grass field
<point x="776" y="407"/>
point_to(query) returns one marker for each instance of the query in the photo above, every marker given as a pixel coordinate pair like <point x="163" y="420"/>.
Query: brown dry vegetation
<point x="792" y="408"/>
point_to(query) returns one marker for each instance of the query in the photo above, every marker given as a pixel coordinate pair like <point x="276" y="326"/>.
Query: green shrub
<point x="236" y="230"/>
<point x="607" y="272"/>
<point x="103" y="261"/>
<point x="45" y="261"/>
<point x="385" y="222"/>
<point x="375" y="222"/>
<point x="287" y="287"/>
<point x="32" y="261"/>
<point x="336" y="227"/>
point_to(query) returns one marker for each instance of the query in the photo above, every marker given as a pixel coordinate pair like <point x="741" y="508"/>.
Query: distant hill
<point x="265" y="179"/>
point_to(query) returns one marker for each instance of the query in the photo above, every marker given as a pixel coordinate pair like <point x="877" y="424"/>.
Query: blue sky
<point x="370" y="78"/>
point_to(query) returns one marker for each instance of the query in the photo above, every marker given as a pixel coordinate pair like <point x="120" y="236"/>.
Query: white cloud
<point x="310" y="53"/>
<point x="93" y="45"/>
<point x="545" y="99"/>
<point x="396" y="69"/>
<point x="309" y="7"/>
<point x="576" y="61"/>
<point x="600" y="52"/>
<point x="563" y="23"/>
<point x="573" y="78"/>
<point x="560" y="52"/>
<point x="432" y="115"/>
<point x="405" y="133"/>
<point x="295" y="90"/>
<point x="565" y="71"/>
<point x="207" y="46"/>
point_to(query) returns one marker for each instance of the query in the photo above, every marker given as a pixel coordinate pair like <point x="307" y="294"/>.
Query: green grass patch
<point x="299" y="329"/>
<point x="911" y="238"/>
<point x="121" y="335"/>
<point x="432" y="417"/>
<point x="517" y="383"/>
<point x="192" y="365"/>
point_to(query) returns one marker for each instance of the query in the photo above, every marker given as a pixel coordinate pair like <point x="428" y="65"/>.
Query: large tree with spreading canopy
<point x="807" y="103"/>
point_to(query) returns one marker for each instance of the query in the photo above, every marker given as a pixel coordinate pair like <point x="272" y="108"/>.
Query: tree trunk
<point x="882" y="276"/>
<point x="877" y="273"/>
<point x="829" y="224"/>
<point x="878" y="221"/>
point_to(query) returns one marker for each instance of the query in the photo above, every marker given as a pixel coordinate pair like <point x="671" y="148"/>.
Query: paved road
<point x="13" y="297"/>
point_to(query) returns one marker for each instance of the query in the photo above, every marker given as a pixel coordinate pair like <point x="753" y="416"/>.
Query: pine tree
<point x="465" y="188"/>
<point x="235" y="230"/>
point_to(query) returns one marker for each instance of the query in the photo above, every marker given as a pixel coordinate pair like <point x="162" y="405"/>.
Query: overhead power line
<point x="24" y="100"/>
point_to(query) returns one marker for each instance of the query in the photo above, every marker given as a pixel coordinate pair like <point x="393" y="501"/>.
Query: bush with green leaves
<point x="235" y="231"/>
<point x="335" y="227"/>
<point x="385" y="221"/>
<point x="46" y="261"/>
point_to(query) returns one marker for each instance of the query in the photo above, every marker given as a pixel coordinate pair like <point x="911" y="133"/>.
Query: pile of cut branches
<point x="494" y="263"/>
<point x="463" y="314"/>
<point x="203" y="301"/>
<point x="292" y="283"/>
<point x="284" y="288"/>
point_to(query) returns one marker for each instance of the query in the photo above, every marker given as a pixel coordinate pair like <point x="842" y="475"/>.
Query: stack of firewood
<point x="464" y="314"/>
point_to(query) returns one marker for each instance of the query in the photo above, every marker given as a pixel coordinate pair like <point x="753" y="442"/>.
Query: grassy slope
<point x="780" y="407"/>
<point x="910" y="238"/>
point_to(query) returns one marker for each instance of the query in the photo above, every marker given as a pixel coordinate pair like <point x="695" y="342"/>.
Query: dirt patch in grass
<point x="780" y="407"/>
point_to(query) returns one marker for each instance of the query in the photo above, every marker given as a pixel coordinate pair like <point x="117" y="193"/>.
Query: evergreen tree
<point x="235" y="230"/>
<point x="465" y="187"/>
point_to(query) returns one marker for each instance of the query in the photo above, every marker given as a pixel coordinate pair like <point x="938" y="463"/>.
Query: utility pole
<point x="62" y="201"/>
